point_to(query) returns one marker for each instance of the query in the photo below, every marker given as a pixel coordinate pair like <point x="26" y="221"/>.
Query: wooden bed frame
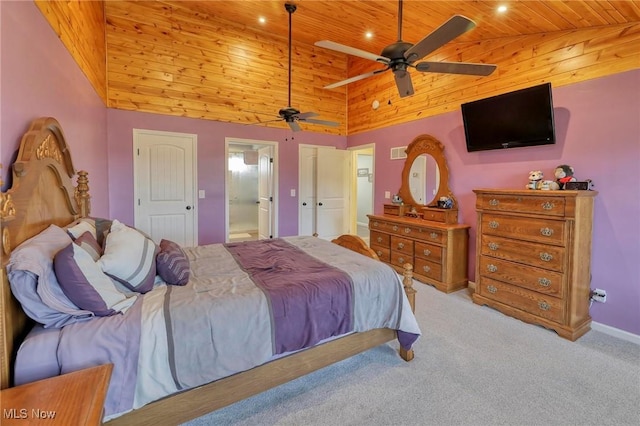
<point x="43" y="193"/>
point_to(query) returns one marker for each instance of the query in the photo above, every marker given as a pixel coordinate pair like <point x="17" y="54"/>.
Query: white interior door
<point x="307" y="190"/>
<point x="265" y="193"/>
<point x="165" y="185"/>
<point x="333" y="166"/>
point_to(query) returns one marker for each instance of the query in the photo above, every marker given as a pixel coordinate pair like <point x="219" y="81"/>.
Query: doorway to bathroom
<point x="250" y="186"/>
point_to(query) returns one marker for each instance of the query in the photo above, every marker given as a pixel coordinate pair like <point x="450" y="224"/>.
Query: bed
<point x="44" y="198"/>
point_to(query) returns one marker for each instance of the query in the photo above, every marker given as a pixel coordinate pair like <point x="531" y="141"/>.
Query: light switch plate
<point x="387" y="194"/>
<point x="201" y="193"/>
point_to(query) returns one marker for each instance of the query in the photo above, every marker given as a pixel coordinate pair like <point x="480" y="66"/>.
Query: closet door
<point x="323" y="191"/>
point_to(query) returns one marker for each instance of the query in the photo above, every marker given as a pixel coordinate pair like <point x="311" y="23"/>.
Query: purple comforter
<point x="309" y="300"/>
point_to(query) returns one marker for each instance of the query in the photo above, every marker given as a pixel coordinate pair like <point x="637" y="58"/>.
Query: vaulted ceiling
<point x="215" y="60"/>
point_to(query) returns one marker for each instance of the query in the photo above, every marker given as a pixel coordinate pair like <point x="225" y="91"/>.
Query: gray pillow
<point x="33" y="281"/>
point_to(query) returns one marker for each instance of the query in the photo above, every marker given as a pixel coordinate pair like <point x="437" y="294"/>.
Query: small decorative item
<point x="564" y="174"/>
<point x="536" y="182"/>
<point x="445" y="203"/>
<point x="396" y="199"/>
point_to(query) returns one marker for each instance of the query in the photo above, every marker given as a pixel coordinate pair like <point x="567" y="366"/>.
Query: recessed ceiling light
<point x="262" y="19"/>
<point x="502" y="9"/>
<point x="368" y="34"/>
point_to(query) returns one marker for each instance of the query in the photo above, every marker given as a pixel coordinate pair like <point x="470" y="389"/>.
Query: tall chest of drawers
<point x="437" y="251"/>
<point x="533" y="253"/>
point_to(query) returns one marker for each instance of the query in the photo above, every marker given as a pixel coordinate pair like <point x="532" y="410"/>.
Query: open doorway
<point x="362" y="189"/>
<point x="250" y="190"/>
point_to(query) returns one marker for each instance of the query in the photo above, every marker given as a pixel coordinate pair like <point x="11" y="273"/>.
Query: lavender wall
<point x="40" y="78"/>
<point x="211" y="165"/>
<point x="598" y="133"/>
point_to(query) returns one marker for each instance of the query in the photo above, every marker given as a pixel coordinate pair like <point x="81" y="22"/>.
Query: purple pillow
<point x="172" y="263"/>
<point x="90" y="244"/>
<point x="84" y="283"/>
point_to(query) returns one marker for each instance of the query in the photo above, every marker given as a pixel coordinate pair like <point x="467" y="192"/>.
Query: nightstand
<point x="70" y="399"/>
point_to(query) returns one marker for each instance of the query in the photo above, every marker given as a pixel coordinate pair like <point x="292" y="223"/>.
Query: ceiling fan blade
<point x="305" y="115"/>
<point x="351" y="51"/>
<point x="403" y="82"/>
<point x="456" y="68"/>
<point x="321" y="122"/>
<point x="294" y="125"/>
<point x="352" y="79"/>
<point x="454" y="27"/>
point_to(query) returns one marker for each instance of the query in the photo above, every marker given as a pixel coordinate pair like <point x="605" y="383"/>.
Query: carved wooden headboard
<point x="42" y="193"/>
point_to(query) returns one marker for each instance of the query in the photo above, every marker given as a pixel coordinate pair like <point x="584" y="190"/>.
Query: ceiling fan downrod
<point x="290" y="7"/>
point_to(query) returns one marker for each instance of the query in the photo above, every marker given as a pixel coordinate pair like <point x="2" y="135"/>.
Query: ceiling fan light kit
<point x="400" y="56"/>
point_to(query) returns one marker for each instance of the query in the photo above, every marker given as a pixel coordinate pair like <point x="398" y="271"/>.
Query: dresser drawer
<point x="529" y="301"/>
<point x="379" y="239"/>
<point x="383" y="252"/>
<point x="538" y="204"/>
<point x="546" y="231"/>
<point x="429" y="269"/>
<point x="544" y="256"/>
<point x="399" y="259"/>
<point x="380" y="225"/>
<point x="429" y="252"/>
<point x="431" y="235"/>
<point x="402" y="245"/>
<point x="536" y="279"/>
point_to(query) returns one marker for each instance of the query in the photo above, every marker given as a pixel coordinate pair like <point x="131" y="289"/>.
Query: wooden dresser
<point x="438" y="251"/>
<point x="534" y="256"/>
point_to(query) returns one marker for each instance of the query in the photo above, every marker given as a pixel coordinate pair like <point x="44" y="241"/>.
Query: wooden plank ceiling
<point x="215" y="60"/>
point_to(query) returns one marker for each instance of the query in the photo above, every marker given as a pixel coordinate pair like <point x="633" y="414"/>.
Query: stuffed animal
<point x="536" y="182"/>
<point x="535" y="179"/>
<point x="564" y="174"/>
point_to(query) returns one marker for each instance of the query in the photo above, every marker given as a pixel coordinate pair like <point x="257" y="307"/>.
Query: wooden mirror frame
<point x="426" y="144"/>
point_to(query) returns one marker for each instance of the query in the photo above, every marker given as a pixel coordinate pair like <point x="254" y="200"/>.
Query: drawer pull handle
<point x="544" y="282"/>
<point x="400" y="245"/>
<point x="546" y="257"/>
<point x="492" y="289"/>
<point x="547" y="232"/>
<point x="379" y="239"/>
<point x="426" y="268"/>
<point x="434" y="235"/>
<point x="395" y="227"/>
<point x="493" y="202"/>
<point x="493" y="224"/>
<point x="379" y="253"/>
<point x="426" y="252"/>
<point x="375" y="224"/>
<point x="407" y="230"/>
<point x="401" y="259"/>
<point x="492" y="268"/>
<point x="548" y="205"/>
<point x="544" y="305"/>
<point x="493" y="246"/>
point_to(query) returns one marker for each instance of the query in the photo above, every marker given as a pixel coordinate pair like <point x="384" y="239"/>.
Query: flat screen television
<point x="515" y="119"/>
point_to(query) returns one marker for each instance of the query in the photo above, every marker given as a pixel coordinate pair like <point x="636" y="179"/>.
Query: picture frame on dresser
<point x="421" y="233"/>
<point x="533" y="256"/>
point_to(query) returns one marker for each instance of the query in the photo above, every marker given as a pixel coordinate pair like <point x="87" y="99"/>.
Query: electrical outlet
<point x="599" y="295"/>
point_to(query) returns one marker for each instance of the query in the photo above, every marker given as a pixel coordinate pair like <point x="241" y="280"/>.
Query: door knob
<point x="304" y="204"/>
<point x="188" y="207"/>
<point x="319" y="204"/>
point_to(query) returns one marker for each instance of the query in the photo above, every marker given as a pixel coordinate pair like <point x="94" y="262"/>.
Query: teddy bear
<point x="564" y="174"/>
<point x="536" y="181"/>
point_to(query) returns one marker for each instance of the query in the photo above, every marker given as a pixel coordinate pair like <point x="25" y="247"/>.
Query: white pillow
<point x="80" y="226"/>
<point x="129" y="257"/>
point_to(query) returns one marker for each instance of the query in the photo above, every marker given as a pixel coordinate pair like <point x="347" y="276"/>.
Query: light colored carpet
<point x="473" y="366"/>
<point x="239" y="235"/>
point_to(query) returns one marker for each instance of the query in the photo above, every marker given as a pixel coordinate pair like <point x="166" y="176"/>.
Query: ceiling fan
<point x="289" y="114"/>
<point x="400" y="56"/>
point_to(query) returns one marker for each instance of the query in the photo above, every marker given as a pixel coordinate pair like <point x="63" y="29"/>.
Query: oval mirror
<point x="425" y="176"/>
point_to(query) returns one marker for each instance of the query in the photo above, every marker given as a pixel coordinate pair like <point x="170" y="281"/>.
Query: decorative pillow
<point x="172" y="263"/>
<point x="80" y="226"/>
<point x="33" y="281"/>
<point x="90" y="245"/>
<point x="129" y="257"/>
<point x="103" y="227"/>
<point x="83" y="281"/>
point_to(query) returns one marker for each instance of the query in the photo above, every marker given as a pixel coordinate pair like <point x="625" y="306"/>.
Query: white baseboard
<point x="616" y="332"/>
<point x="602" y="328"/>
